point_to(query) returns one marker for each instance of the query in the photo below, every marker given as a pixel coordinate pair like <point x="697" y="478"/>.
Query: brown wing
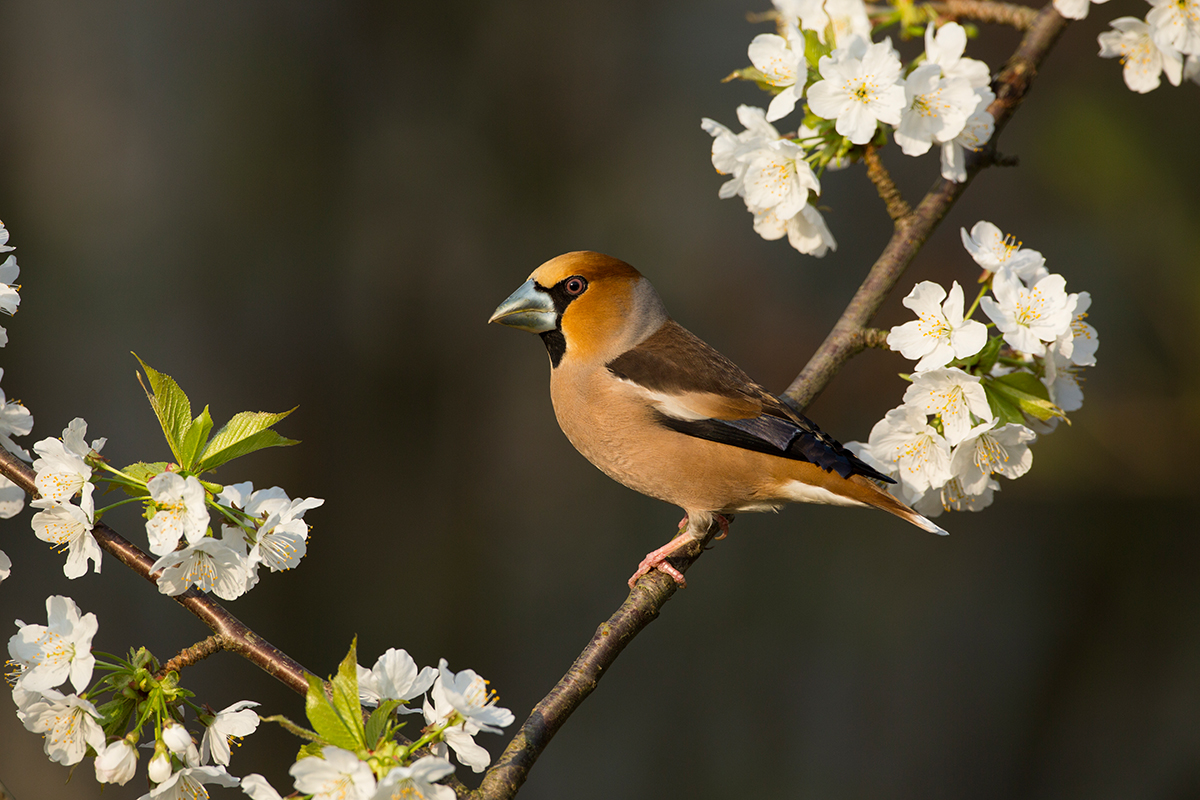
<point x="701" y="393"/>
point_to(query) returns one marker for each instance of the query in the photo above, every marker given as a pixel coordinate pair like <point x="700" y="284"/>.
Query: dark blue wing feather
<point x="779" y="437"/>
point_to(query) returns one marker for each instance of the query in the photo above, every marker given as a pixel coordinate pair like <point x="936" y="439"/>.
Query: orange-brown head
<point x="586" y="306"/>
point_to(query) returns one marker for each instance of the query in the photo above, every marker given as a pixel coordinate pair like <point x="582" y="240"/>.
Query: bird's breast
<point x="615" y="429"/>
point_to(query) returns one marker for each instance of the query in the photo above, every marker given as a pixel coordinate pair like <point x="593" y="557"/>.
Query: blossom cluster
<point x="824" y="59"/>
<point x="142" y="694"/>
<point x="44" y="657"/>
<point x="368" y="762"/>
<point x="261" y="528"/>
<point x="977" y="402"/>
<point x="1166" y="41"/>
<point x="15" y="419"/>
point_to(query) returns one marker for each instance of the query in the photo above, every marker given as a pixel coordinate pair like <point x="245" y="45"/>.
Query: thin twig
<point x="844" y="341"/>
<point x="190" y="655"/>
<point x="641" y="608"/>
<point x="873" y="338"/>
<point x="897" y="207"/>
<point x="236" y="635"/>
<point x="1019" y="17"/>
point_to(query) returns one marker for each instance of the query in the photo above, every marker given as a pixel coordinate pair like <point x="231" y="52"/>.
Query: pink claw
<point x="658" y="560"/>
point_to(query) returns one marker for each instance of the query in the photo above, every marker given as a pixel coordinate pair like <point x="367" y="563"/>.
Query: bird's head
<point x="585" y="306"/>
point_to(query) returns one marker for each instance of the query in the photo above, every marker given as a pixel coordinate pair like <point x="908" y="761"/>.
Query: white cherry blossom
<point x="417" y="781"/>
<point x="988" y="450"/>
<point x="936" y="109"/>
<point x="464" y="696"/>
<point x="946" y="46"/>
<point x="60" y="650"/>
<point x="1030" y="317"/>
<point x="188" y="784"/>
<point x="61" y="474"/>
<point x="180" y="743"/>
<point x="10" y="298"/>
<point x="280" y="540"/>
<point x="779" y="179"/>
<point x="781" y="62"/>
<point x="848" y="18"/>
<point x="920" y="455"/>
<point x="394" y="677"/>
<point x="939" y="334"/>
<point x="859" y="92"/>
<point x="116" y="762"/>
<point x="731" y="153"/>
<point x="1175" y="25"/>
<point x="1080" y="342"/>
<point x="951" y="496"/>
<point x="15" y="420"/>
<point x="211" y="565"/>
<point x="257" y="787"/>
<point x="953" y="395"/>
<point x="69" y="724"/>
<point x="159" y="768"/>
<point x="997" y="252"/>
<point x="336" y="775"/>
<point x="1075" y="9"/>
<point x="12" y="498"/>
<point x="229" y="725"/>
<point x="977" y="131"/>
<point x="181" y="511"/>
<point x="1062" y="381"/>
<point x="68" y="527"/>
<point x="806" y="231"/>
<point x="1132" y="41"/>
<point x="5" y="566"/>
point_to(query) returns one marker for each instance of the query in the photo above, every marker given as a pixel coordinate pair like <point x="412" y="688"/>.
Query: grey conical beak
<point x="529" y="308"/>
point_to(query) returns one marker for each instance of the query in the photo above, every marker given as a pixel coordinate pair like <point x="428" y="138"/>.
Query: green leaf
<point x="142" y="471"/>
<point x="197" y="437"/>
<point x="1002" y="407"/>
<point x="1027" y="393"/>
<point x="345" y="693"/>
<point x="1025" y="382"/>
<point x="171" y="406"/>
<point x="309" y="750"/>
<point x="325" y="719"/>
<point x="244" y="434"/>
<point x="814" y="48"/>
<point x="378" y="721"/>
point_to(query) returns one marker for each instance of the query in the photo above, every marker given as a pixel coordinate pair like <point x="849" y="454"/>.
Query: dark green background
<point x="286" y="203"/>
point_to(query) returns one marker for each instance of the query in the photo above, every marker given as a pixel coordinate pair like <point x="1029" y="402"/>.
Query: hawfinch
<point x="660" y="411"/>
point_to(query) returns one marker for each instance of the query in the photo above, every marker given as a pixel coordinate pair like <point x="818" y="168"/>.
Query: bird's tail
<point x="882" y="499"/>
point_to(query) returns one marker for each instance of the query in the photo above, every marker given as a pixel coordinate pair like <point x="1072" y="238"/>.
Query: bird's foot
<point x="658" y="560"/>
<point x="723" y="521"/>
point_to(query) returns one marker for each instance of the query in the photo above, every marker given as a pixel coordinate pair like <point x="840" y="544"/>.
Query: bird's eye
<point x="576" y="284"/>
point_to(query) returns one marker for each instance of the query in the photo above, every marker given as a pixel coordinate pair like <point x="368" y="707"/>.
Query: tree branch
<point x="234" y="634"/>
<point x="845" y="340"/>
<point x="641" y="608"/>
<point x="1019" y="17"/>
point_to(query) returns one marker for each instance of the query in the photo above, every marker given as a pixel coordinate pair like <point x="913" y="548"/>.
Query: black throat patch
<point x="556" y="343"/>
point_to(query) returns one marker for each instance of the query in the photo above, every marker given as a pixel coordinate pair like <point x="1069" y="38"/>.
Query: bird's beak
<point x="529" y="309"/>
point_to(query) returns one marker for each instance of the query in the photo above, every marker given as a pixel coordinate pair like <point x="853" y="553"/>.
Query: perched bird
<point x="657" y="409"/>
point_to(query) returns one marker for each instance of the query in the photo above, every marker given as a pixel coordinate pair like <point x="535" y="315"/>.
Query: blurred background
<point x="285" y="203"/>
